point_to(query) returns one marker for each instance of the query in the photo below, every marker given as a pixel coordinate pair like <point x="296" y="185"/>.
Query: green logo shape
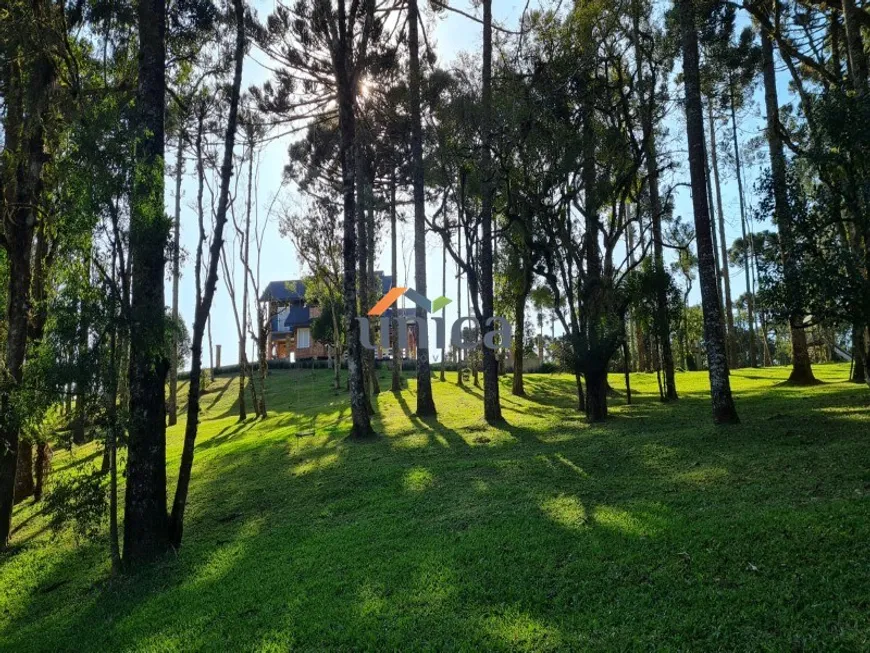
<point x="440" y="303"/>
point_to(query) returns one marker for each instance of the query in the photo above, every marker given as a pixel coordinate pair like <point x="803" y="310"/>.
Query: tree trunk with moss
<point x="724" y="411"/>
<point x="145" y="522"/>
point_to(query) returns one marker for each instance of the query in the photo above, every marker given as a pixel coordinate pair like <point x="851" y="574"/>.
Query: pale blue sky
<point x="452" y="34"/>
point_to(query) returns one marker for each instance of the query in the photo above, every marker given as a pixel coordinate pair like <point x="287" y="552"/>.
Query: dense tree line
<point x="547" y="166"/>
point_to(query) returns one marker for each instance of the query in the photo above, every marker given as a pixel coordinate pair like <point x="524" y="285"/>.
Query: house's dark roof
<point x="294" y="291"/>
<point x="284" y="291"/>
<point x="299" y="317"/>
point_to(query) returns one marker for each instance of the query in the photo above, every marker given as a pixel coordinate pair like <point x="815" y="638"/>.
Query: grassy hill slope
<point x="653" y="530"/>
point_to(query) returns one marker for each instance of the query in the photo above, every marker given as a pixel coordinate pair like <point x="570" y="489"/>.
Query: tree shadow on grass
<point x="523" y="546"/>
<point x="430" y="425"/>
<point x="556" y="393"/>
<point x="71" y="462"/>
<point x="227" y="433"/>
<point x="215" y="396"/>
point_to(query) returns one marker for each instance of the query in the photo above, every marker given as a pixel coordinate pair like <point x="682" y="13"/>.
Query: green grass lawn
<point x="655" y="530"/>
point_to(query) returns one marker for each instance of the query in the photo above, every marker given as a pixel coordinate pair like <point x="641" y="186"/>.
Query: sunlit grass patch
<point x="565" y="510"/>
<point x="418" y="480"/>
<point x="626" y="521"/>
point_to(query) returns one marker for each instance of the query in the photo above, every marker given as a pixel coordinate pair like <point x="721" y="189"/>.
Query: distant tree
<point x="542" y="301"/>
<point x="317" y="237"/>
<point x="802" y="371"/>
<point x="255" y="134"/>
<point x="514" y="281"/>
<point x="325" y="49"/>
<point x="653" y="61"/>
<point x="178" y="337"/>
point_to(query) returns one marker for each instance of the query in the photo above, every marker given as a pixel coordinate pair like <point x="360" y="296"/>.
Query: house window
<point x="303" y="339"/>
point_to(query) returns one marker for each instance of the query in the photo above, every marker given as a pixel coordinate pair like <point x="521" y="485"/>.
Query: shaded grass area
<point x="653" y="530"/>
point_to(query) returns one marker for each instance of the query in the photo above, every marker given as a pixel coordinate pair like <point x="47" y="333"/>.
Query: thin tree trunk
<point x="581" y="396"/>
<point x="172" y="408"/>
<point x="243" y="405"/>
<point x="360" y="416"/>
<point x="444" y="312"/>
<point x="491" y="401"/>
<point x="459" y="227"/>
<point x="518" y="388"/>
<point x="474" y="354"/>
<point x="204" y="300"/>
<point x="112" y="441"/>
<point x="365" y="298"/>
<point x="229" y="282"/>
<point x="145" y="532"/>
<point x="124" y="366"/>
<point x="652" y="165"/>
<point x="802" y="371"/>
<point x="859" y="374"/>
<point x="210" y="347"/>
<point x="750" y="294"/>
<point x="262" y="339"/>
<point x="79" y="435"/>
<point x="375" y="286"/>
<point x="124" y="338"/>
<point x="723" y="243"/>
<point x="43" y="465"/>
<point x="663" y="321"/>
<point x="715" y="240"/>
<point x="336" y="362"/>
<point x="643" y="356"/>
<point x="724" y="411"/>
<point x="255" y="399"/>
<point x="425" y="399"/>
<point x="396" y="385"/>
<point x="24" y="483"/>
<point x="246" y="253"/>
